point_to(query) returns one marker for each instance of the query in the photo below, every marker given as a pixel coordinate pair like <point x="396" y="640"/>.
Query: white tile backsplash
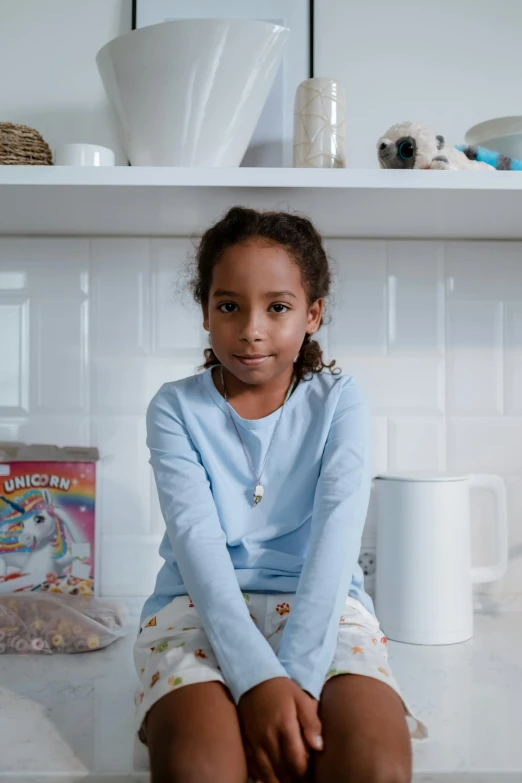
<point x="399" y="384"/>
<point x="513" y="358"/>
<point x="120" y="324"/>
<point x="124" y="475"/>
<point x="512" y="582"/>
<point x="359" y="305"/>
<point x="484" y="270"/>
<point x="90" y="329"/>
<point x="416" y="297"/>
<point x="487" y="445"/>
<point x="12" y="281"/>
<point x="14" y="351"/>
<point x="126" y="385"/>
<point x="417" y="443"/>
<point x="129" y="564"/>
<point x="475" y="358"/>
<point x="10" y="428"/>
<point x="62" y="430"/>
<point x="50" y="267"/>
<point x="59" y="347"/>
<point x="176" y="319"/>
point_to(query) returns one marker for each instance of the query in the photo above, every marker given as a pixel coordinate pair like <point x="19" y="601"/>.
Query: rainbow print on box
<point x="47" y="519"/>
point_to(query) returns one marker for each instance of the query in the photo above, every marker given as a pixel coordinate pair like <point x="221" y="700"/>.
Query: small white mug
<point x="83" y="155"/>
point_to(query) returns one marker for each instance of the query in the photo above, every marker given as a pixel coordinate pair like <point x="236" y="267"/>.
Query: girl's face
<point x="257" y="311"/>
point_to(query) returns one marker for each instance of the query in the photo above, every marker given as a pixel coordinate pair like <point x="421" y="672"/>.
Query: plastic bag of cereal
<point x="44" y="623"/>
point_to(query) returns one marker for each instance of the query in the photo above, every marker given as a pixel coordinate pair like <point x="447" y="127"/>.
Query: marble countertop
<point x="69" y="717"/>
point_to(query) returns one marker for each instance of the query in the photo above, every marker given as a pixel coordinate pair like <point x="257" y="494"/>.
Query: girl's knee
<point x="193" y="735"/>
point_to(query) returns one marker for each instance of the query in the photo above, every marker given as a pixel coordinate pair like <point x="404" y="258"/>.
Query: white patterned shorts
<point x="172" y="649"/>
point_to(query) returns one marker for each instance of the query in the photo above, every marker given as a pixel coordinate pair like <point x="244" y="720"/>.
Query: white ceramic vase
<point x="190" y="92"/>
<point x="320" y="124"/>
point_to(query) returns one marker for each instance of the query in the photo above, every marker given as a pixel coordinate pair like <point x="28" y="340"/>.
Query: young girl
<point x="259" y="652"/>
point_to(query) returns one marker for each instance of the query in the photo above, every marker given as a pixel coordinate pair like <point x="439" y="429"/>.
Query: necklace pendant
<point x="258" y="494"/>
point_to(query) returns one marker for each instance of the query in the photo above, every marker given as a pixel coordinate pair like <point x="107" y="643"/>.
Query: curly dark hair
<point x="303" y="243"/>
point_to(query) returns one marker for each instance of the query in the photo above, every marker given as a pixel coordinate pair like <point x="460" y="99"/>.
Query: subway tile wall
<point x="90" y="328"/>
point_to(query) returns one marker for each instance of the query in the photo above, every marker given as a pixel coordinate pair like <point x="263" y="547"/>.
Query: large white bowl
<point x="190" y="92"/>
<point x="503" y="134"/>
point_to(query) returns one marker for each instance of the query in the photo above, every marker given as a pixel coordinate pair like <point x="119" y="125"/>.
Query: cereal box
<point x="47" y="518"/>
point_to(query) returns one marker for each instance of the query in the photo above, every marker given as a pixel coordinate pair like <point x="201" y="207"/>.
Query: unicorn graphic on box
<point x="36" y="538"/>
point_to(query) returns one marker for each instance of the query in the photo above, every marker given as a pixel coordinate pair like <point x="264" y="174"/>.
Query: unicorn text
<point x="36" y="480"/>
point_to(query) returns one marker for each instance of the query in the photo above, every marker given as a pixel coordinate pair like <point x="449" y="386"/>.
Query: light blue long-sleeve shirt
<point x="304" y="536"/>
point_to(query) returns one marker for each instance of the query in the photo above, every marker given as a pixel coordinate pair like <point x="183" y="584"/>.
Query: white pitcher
<point x="424" y="576"/>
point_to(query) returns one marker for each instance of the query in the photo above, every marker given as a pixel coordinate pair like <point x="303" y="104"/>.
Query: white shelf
<point x="154" y="201"/>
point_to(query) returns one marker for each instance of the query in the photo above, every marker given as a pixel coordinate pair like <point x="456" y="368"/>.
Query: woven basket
<point x="23" y="146"/>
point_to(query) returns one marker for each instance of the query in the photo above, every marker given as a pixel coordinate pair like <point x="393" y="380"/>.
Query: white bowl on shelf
<point x="190" y="92"/>
<point x="503" y="134"/>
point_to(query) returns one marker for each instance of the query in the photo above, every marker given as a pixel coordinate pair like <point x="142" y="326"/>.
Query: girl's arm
<point x="339" y="512"/>
<point x="199" y="545"/>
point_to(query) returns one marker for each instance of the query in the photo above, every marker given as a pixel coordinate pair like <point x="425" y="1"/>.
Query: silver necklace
<point x="259" y="490"/>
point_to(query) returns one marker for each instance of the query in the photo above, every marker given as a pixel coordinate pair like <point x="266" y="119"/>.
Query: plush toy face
<point x="408" y="145"/>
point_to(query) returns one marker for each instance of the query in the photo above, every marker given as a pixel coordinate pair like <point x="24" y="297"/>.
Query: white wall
<point x="449" y="63"/>
<point x="49" y="75"/>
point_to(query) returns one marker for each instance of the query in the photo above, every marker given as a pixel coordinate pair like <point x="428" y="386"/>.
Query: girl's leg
<point x="366" y="737"/>
<point x="193" y="736"/>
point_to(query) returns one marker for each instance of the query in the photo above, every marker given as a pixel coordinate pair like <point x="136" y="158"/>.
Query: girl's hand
<point x="280" y="725"/>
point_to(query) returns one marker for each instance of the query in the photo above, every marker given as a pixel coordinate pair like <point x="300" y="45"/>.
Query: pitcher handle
<point x="496" y="485"/>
